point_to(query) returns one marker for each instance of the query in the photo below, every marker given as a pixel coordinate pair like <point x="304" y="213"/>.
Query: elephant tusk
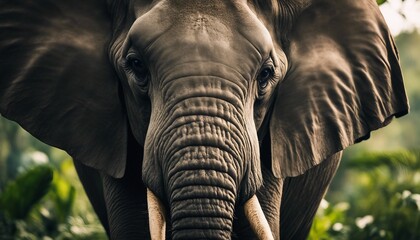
<point x="157" y="221"/>
<point x="257" y="220"/>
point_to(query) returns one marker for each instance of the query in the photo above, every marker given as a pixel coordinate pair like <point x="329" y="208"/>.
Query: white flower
<point x="337" y="227"/>
<point x="405" y="194"/>
<point x="416" y="197"/>
<point x="364" y="221"/>
<point x="39" y="157"/>
<point x="324" y="204"/>
<point x="342" y="206"/>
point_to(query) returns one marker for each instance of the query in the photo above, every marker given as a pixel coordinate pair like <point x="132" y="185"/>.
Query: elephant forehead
<point x="200" y="53"/>
<point x="209" y="23"/>
<point x="202" y="31"/>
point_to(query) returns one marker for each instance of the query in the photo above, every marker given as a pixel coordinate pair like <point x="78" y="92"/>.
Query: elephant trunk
<point x="202" y="218"/>
<point x="204" y="162"/>
<point x="207" y="154"/>
<point x="202" y="195"/>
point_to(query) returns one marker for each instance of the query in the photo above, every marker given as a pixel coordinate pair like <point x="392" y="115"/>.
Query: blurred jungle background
<point x="375" y="195"/>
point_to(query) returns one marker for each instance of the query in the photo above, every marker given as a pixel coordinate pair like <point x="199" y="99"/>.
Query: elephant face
<point x="212" y="91"/>
<point x="206" y="75"/>
<point x="203" y="74"/>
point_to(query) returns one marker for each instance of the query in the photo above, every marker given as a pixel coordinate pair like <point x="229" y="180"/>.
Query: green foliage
<point x="387" y="188"/>
<point x="20" y="195"/>
<point x="390" y="160"/>
<point x="329" y="224"/>
<point x="23" y="173"/>
<point x="63" y="195"/>
<point x="399" y="218"/>
<point x="52" y="217"/>
<point x="382" y="191"/>
<point x="380" y="1"/>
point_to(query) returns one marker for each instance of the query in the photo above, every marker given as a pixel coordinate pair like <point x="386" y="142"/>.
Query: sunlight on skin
<point x="401" y="16"/>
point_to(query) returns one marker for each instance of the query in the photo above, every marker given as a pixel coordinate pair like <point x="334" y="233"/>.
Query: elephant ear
<point x="56" y="80"/>
<point x="344" y="81"/>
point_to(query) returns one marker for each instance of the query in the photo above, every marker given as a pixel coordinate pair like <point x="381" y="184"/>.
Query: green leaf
<point x="21" y="195"/>
<point x="380" y="1"/>
<point x="391" y="160"/>
<point x="63" y="196"/>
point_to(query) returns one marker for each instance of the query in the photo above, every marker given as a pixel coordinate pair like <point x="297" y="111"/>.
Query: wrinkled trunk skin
<point x="200" y="155"/>
<point x="202" y="183"/>
<point x="201" y="212"/>
<point x="204" y="167"/>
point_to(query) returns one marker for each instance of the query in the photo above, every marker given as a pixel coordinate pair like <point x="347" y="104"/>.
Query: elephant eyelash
<point x="135" y="64"/>
<point x="266" y="74"/>
<point x="136" y="69"/>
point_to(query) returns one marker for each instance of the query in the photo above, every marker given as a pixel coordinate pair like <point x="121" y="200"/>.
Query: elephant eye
<point x="137" y="66"/>
<point x="138" y="69"/>
<point x="265" y="75"/>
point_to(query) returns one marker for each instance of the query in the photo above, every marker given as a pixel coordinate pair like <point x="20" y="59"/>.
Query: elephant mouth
<point x="252" y="209"/>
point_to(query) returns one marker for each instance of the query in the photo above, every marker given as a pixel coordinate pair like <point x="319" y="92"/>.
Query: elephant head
<point x="212" y="91"/>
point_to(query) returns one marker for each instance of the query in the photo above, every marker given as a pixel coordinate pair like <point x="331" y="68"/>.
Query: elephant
<point x="191" y="119"/>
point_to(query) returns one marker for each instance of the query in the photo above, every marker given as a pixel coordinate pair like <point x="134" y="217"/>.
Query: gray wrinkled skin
<point x="206" y="103"/>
